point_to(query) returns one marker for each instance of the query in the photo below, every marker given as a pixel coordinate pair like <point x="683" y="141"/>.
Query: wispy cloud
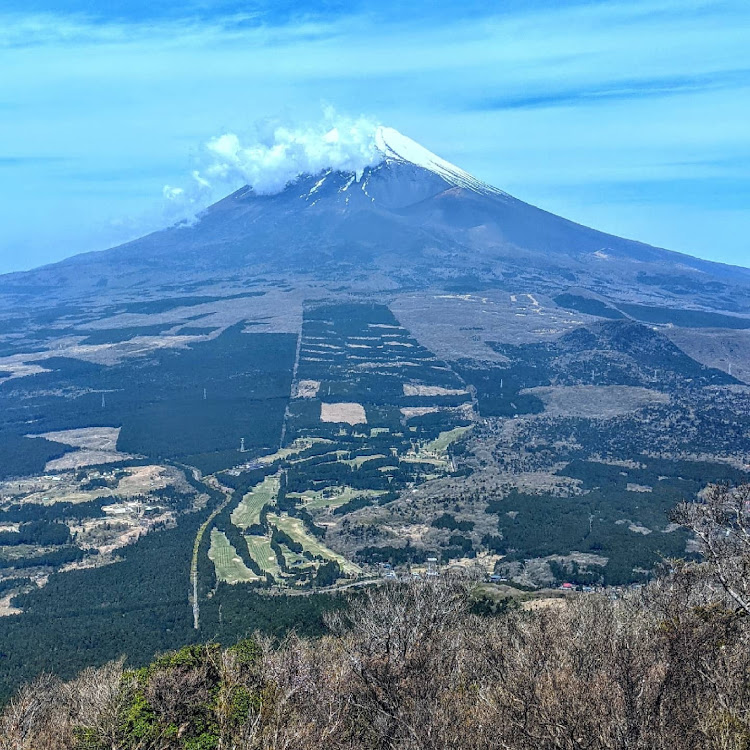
<point x="532" y="96"/>
<point x="635" y="88"/>
<point x="25" y="161"/>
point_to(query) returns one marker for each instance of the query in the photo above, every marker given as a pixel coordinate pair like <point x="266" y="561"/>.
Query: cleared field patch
<point x="228" y="564"/>
<point x="414" y="389"/>
<point x="418" y="411"/>
<point x="95" y="438"/>
<point x="95" y="445"/>
<point x="349" y="413"/>
<point x="247" y="513"/>
<point x="297" y="531"/>
<point x="307" y="389"/>
<point x="444" y="439"/>
<point x="260" y="550"/>
<point x="65" y="488"/>
<point x="332" y="497"/>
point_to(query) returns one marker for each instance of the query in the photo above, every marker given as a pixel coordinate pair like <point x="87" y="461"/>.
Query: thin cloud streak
<point x="637" y="88"/>
<point x="531" y="99"/>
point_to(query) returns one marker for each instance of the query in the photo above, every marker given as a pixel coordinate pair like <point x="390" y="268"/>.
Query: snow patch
<point x="397" y="147"/>
<point x="275" y="157"/>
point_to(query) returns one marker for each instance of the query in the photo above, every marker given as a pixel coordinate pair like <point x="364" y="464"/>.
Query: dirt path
<point x="294" y="381"/>
<point x="214" y="484"/>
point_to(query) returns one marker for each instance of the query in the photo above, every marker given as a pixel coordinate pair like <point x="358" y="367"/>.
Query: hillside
<point x="222" y="425"/>
<point x="443" y="664"/>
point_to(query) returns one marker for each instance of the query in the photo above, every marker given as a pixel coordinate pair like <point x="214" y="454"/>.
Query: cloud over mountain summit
<point x="275" y="155"/>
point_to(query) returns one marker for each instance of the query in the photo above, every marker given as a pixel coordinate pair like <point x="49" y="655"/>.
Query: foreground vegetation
<point x="412" y="666"/>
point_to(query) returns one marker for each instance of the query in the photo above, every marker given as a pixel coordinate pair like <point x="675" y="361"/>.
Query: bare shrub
<point x="721" y="522"/>
<point x="410" y="667"/>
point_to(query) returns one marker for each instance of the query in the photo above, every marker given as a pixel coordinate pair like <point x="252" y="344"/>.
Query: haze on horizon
<point x="630" y="118"/>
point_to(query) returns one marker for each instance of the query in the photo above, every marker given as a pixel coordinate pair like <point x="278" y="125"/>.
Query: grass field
<point x="444" y="439"/>
<point x="421" y="458"/>
<point x="296" y="530"/>
<point x="357" y="461"/>
<point x="229" y="566"/>
<point x="247" y="513"/>
<point x="260" y="550"/>
<point x="332" y="497"/>
<point x="294" y="559"/>
<point x="298" y="446"/>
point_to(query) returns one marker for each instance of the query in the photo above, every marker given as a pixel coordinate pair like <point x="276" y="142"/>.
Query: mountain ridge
<point x="412" y="218"/>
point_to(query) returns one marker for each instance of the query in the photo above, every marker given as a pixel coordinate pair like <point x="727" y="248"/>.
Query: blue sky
<point x="633" y="117"/>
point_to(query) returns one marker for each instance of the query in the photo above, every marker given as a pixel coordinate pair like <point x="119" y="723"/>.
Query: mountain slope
<point x="413" y="219"/>
<point x="362" y="370"/>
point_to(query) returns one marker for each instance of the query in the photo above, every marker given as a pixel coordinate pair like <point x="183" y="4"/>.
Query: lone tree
<point x="720" y="520"/>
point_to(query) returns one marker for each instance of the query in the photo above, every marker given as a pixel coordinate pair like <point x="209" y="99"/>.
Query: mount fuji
<point x="344" y="375"/>
<point x="411" y="221"/>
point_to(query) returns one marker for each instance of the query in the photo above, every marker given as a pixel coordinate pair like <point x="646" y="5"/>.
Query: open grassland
<point x="296" y="530"/>
<point x="332" y="497"/>
<point x="444" y="439"/>
<point x="260" y="550"/>
<point x="229" y="566"/>
<point x="247" y="513"/>
<point x="594" y="401"/>
<point x="298" y="446"/>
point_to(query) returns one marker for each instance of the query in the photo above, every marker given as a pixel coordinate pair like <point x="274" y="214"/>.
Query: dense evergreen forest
<point x="138" y="607"/>
<point x="432" y="664"/>
<point x="160" y="403"/>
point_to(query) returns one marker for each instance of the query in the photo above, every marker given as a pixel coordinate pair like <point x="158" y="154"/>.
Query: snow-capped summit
<point x="404" y="217"/>
<point x="397" y="147"/>
<point x="401" y="173"/>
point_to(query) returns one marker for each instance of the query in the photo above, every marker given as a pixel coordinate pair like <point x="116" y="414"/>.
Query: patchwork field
<point x="248" y="512"/>
<point x="229" y="565"/>
<point x="347" y="441"/>
<point x="362" y="445"/>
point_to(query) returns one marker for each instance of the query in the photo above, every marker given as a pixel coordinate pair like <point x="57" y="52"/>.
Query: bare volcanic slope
<point x="409" y="222"/>
<point x="350" y="377"/>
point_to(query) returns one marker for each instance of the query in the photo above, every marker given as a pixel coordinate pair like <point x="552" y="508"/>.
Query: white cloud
<point x="337" y="142"/>
<point x="122" y="107"/>
<point x="274" y="155"/>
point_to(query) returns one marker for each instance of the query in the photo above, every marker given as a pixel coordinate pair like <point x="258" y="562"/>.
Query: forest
<point x="138" y="606"/>
<point x="192" y="404"/>
<point x="431" y="665"/>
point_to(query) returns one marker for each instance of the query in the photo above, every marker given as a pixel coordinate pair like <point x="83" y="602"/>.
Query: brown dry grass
<point x="349" y="413"/>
